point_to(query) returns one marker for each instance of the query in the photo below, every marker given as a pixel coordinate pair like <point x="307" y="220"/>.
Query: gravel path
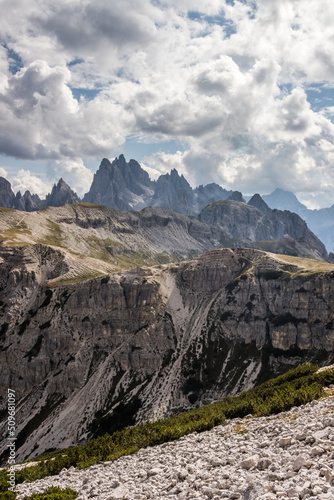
<point x="285" y="456"/>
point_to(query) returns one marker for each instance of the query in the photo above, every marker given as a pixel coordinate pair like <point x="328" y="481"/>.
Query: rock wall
<point x="93" y="356"/>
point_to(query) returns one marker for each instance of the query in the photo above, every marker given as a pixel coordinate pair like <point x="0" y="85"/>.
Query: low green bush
<point x="294" y="388"/>
<point x="54" y="493"/>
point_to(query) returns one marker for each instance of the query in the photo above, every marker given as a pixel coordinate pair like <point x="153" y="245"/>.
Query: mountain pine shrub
<point x="294" y="388"/>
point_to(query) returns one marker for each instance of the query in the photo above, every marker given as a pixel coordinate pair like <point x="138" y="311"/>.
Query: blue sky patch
<point x="320" y="96"/>
<point x="15" y="61"/>
<point x="75" y="62"/>
<point x="137" y="150"/>
<point x="88" y="94"/>
<point x="220" y="20"/>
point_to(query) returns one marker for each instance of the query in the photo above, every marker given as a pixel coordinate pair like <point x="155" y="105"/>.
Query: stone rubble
<point x="289" y="456"/>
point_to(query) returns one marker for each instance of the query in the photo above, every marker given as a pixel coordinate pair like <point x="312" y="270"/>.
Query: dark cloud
<point x="177" y="120"/>
<point x="209" y="86"/>
<point x="84" y="28"/>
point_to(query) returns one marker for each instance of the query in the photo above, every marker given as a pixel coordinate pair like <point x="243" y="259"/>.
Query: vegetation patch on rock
<point x="294" y="388"/>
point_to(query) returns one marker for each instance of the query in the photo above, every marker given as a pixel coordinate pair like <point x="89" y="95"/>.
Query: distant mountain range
<point x="127" y="186"/>
<point x="321" y="221"/>
<point x="61" y="193"/>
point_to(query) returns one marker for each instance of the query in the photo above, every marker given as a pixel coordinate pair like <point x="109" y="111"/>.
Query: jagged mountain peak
<point x="119" y="184"/>
<point x="105" y="163"/>
<point x="284" y="200"/>
<point x="175" y="174"/>
<point x="236" y="196"/>
<point x="61" y="193"/>
<point x="257" y="202"/>
<point x="127" y="186"/>
<point x="173" y="191"/>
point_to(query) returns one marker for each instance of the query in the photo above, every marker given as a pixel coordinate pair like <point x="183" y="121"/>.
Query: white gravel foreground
<point x="284" y="456"/>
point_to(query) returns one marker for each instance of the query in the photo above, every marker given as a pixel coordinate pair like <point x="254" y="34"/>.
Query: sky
<point x="237" y="92"/>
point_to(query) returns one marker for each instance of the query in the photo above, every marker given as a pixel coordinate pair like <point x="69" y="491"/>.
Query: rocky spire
<point x="257" y="202"/>
<point x="61" y="193"/>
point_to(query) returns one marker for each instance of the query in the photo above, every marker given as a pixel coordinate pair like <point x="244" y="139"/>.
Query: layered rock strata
<point x="93" y="356"/>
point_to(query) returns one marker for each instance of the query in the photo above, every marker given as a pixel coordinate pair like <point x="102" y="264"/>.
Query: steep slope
<point x="245" y="458"/>
<point x="95" y="239"/>
<point x="251" y="226"/>
<point x="93" y="356"/>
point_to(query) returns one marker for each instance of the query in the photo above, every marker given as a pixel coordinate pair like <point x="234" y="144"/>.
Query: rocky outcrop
<point x="93" y="356"/>
<point x="236" y="196"/>
<point x="174" y="192"/>
<point x="121" y="185"/>
<point x="257" y="202"/>
<point x="249" y="224"/>
<point x="320" y="221"/>
<point x="61" y="193"/>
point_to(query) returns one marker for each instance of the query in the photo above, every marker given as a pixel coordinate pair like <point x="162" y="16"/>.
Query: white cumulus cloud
<point x="24" y="181"/>
<point x="231" y="81"/>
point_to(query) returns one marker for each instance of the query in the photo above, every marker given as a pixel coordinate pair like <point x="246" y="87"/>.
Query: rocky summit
<point x="285" y="456"/>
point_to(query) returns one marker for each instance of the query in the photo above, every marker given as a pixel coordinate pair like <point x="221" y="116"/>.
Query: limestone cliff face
<point x="90" y="357"/>
<point x="253" y="224"/>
